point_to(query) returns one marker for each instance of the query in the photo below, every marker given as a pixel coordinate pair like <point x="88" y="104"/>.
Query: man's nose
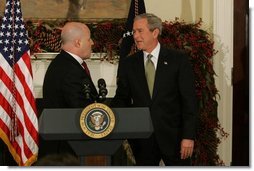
<point x="135" y="35"/>
<point x="92" y="43"/>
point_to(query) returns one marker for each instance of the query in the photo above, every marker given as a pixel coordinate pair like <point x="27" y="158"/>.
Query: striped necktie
<point x="150" y="73"/>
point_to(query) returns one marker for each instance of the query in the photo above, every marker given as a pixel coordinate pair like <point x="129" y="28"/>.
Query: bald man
<point x="64" y="80"/>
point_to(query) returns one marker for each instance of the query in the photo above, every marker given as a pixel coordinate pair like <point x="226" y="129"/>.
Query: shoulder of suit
<point x="172" y="51"/>
<point x="65" y="64"/>
<point x="64" y="57"/>
<point x="132" y="58"/>
<point x="174" y="55"/>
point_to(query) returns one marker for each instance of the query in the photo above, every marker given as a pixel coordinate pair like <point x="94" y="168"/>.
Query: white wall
<point x="187" y="10"/>
<point x="223" y="64"/>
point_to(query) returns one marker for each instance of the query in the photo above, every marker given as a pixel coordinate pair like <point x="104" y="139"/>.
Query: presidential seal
<point x="97" y="120"/>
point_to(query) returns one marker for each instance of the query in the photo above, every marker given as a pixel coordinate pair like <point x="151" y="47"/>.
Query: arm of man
<point x="72" y="89"/>
<point x="122" y="97"/>
<point x="189" y="108"/>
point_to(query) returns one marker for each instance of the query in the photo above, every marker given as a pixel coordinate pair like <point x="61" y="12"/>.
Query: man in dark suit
<point x="162" y="80"/>
<point x="66" y="75"/>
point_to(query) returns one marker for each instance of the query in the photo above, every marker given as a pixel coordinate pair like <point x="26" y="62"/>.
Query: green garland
<point x="45" y="37"/>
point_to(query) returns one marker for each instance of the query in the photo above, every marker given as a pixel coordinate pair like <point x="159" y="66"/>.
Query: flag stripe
<point x="11" y="146"/>
<point x="27" y="81"/>
<point x="5" y="119"/>
<point x="20" y="92"/>
<point x="25" y="122"/>
<point x="4" y="116"/>
<point x="26" y="58"/>
<point x="23" y="128"/>
<point x="21" y="105"/>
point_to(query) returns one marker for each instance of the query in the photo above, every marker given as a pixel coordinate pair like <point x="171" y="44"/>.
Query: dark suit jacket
<point x="63" y="83"/>
<point x="173" y="107"/>
<point x="63" y="88"/>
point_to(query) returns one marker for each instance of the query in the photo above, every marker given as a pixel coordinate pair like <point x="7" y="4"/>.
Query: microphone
<point x="102" y="89"/>
<point x="86" y="89"/>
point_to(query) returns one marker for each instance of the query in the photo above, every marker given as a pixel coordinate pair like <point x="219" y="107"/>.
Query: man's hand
<point x="187" y="146"/>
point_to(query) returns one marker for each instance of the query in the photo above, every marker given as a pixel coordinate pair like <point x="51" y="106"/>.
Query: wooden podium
<point x="64" y="124"/>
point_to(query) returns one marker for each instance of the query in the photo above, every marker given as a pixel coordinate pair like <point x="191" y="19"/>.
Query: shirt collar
<point x="155" y="52"/>
<point x="76" y="57"/>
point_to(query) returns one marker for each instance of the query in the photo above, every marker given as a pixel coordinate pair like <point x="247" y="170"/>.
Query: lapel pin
<point x="165" y="63"/>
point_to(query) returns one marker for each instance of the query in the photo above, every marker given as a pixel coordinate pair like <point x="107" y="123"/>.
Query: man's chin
<point x="139" y="48"/>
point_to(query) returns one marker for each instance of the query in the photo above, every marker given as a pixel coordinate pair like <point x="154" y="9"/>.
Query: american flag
<point x="18" y="113"/>
<point x="136" y="7"/>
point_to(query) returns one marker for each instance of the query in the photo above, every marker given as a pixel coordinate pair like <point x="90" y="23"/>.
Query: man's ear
<point x="77" y="43"/>
<point x="156" y="33"/>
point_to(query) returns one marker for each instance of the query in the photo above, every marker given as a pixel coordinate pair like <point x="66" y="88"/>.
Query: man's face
<point x="86" y="44"/>
<point x="145" y="39"/>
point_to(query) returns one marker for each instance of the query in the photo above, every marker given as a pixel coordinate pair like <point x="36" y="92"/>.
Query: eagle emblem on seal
<point x="97" y="120"/>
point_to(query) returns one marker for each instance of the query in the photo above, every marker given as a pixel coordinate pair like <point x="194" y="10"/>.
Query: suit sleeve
<point x="122" y="96"/>
<point x="188" y="99"/>
<point x="73" y="90"/>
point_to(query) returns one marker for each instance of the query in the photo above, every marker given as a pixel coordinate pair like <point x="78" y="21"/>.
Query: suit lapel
<point x="159" y="73"/>
<point x="140" y="71"/>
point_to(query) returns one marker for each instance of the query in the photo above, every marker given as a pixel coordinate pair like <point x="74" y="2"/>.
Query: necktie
<point x="150" y="73"/>
<point x="86" y="68"/>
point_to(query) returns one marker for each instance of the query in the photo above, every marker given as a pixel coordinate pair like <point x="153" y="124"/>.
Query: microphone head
<point x="102" y="89"/>
<point x="85" y="82"/>
<point x="101" y="83"/>
<point x="86" y="88"/>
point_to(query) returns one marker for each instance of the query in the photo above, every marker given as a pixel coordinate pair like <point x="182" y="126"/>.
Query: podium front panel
<point x="64" y="124"/>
